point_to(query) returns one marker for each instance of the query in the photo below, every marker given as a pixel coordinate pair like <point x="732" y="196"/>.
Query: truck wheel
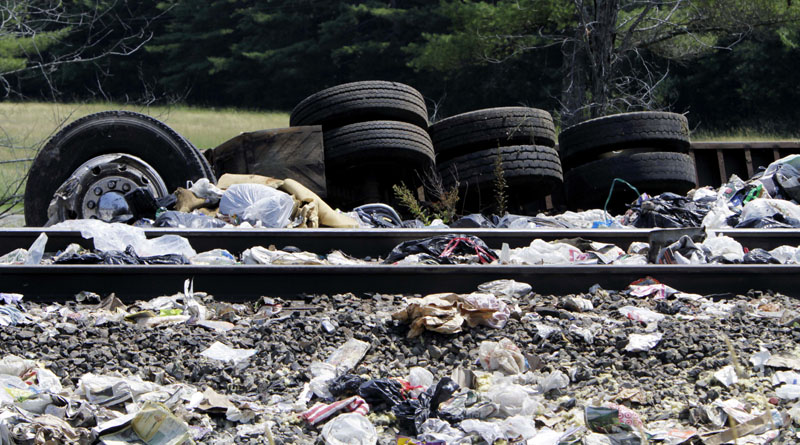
<point x="361" y="101"/>
<point x="587" y="186"/>
<point x="491" y="128"/>
<point x="91" y="163"/>
<point x="587" y="140"/>
<point x="378" y="142"/>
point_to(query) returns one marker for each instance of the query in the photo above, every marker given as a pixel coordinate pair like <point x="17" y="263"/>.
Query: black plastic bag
<point x="129" y="256"/>
<point x="759" y="256"/>
<point x="381" y="394"/>
<point x="669" y="210"/>
<point x="473" y="221"/>
<point x="379" y="215"/>
<point x="441" y="248"/>
<point x="172" y="218"/>
<point x="412" y="413"/>
<point x="345" y="385"/>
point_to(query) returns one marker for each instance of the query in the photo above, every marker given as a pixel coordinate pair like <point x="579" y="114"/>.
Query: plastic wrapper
<point x="257" y="203"/>
<point x="642" y="342"/>
<point x="116" y="237"/>
<point x="683" y="251"/>
<point x="439" y="430"/>
<point x="419" y="377"/>
<point x="222" y="352"/>
<point x="443" y="248"/>
<point x="214" y="257"/>
<point x="182" y="220"/>
<point x="489" y="431"/>
<point x="640" y="314"/>
<point x="484" y="309"/>
<point x="129" y="256"/>
<point x="473" y="221"/>
<point x="502" y="356"/>
<point x="506" y="288"/>
<point x="36" y="250"/>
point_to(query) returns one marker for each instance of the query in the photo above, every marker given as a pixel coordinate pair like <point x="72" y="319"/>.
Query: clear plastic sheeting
<point x="257" y="203"/>
<point x="116" y="237"/>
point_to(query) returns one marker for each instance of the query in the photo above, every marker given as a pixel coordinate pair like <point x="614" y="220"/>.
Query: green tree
<point x="611" y="49"/>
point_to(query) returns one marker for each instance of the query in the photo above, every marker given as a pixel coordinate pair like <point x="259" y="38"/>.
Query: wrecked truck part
<point x="114" y="144"/>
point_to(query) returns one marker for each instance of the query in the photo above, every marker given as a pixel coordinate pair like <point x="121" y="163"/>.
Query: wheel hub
<point x="97" y="188"/>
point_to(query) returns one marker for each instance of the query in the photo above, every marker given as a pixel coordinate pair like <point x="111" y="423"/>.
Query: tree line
<point x="729" y="64"/>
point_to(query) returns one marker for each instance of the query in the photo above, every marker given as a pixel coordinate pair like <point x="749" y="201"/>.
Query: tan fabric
<point x="327" y="216"/>
<point x="187" y="201"/>
<point x="229" y="179"/>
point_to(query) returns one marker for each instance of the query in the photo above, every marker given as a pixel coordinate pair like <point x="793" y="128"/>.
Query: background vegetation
<point x="730" y="64"/>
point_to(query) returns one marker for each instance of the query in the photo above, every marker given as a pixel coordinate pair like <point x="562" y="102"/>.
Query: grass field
<point x="25" y="127"/>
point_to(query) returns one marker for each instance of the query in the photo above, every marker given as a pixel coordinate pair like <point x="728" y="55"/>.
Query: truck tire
<point x="529" y="170"/>
<point x="587" y="186"/>
<point x="361" y="101"/>
<point x="378" y="142"/>
<point x="491" y="128"/>
<point x="172" y="157"/>
<point x="653" y="129"/>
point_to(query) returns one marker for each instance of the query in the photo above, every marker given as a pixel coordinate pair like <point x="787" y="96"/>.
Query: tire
<point x="172" y="156"/>
<point x="361" y="101"/>
<point x="531" y="172"/>
<point x="587" y="186"/>
<point x="491" y="128"/>
<point x="378" y="142"/>
<point x="587" y="140"/>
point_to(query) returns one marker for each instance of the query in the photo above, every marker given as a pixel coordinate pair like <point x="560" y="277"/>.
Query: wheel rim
<point x="96" y="189"/>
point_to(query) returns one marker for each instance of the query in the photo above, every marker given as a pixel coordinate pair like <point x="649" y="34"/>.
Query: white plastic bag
<point x="203" y="188"/>
<point x="36" y="251"/>
<point x="256" y="202"/>
<point x="109" y="237"/>
<point x="542" y="252"/>
<point x="764" y="208"/>
<point x="350" y="429"/>
<point x="724" y="246"/>
<point x="224" y="353"/>
<point x="504" y="356"/>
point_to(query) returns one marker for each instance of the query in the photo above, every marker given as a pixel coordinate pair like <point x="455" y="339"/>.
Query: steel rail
<point x="243" y="282"/>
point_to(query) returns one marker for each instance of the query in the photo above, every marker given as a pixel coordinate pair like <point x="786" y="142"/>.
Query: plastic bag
<point x="502" y="356"/>
<point x="172" y="218"/>
<point x="256" y="202"/>
<point x="222" y="352"/>
<point x="203" y="188"/>
<point x="759" y="256"/>
<point x="381" y="394"/>
<point x="378" y="215"/>
<point x="513" y="399"/>
<point x="489" y="431"/>
<point x="765" y="209"/>
<point x="412" y="413"/>
<point x="724" y="247"/>
<point x="36" y="251"/>
<point x="543" y="252"/>
<point x="349" y="429"/>
<point x="669" y="210"/>
<point x="214" y="257"/>
<point x="683" y="251"/>
<point x="419" y="377"/>
<point x="506" y="288"/>
<point x="345" y="385"/>
<point x="473" y="221"/>
<point x="442" y="248"/>
<point x="786" y="254"/>
<point x="640" y="314"/>
<point x="116" y="237"/>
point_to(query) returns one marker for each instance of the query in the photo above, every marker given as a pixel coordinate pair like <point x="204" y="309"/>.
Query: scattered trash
<point x="222" y="352"/>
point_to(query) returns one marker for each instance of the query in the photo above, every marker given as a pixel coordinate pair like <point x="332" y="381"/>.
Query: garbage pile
<point x="116" y="243"/>
<point x="648" y="364"/>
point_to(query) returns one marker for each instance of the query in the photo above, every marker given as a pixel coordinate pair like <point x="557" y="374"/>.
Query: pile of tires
<point x="467" y="147"/>
<point x="86" y="169"/>
<point x="375" y="136"/>
<point x="649" y="150"/>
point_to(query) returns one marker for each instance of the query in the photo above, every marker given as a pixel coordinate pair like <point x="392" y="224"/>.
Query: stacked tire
<point x="648" y="149"/>
<point x="375" y="136"/>
<point x="467" y="147"/>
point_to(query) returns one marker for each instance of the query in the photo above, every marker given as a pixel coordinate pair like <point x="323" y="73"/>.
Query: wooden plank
<point x="749" y="159"/>
<point x="723" y="176"/>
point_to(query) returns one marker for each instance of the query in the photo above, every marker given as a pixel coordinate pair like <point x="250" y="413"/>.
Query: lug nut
<point x="98" y="191"/>
<point x="126" y="187"/>
<point x="112" y="184"/>
<point x="91" y="204"/>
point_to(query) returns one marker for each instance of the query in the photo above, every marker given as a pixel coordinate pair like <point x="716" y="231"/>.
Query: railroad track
<point x="241" y="282"/>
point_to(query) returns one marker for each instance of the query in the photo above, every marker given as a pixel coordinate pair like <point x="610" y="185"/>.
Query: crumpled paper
<point x="446" y="312"/>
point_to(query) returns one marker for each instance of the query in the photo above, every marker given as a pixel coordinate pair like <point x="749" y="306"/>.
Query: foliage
<point x="500" y="185"/>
